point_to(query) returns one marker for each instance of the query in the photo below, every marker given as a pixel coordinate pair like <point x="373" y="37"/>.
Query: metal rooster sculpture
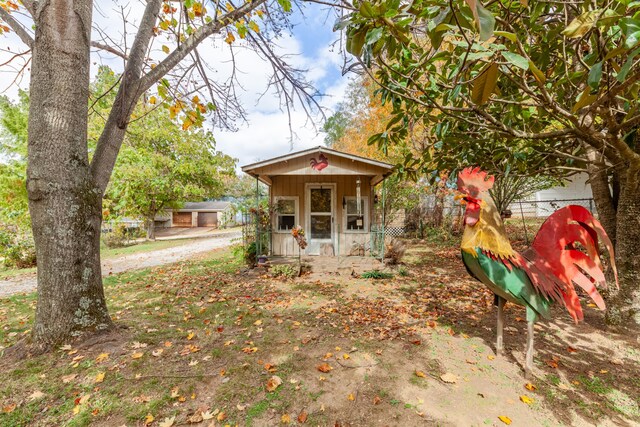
<point x="319" y="164"/>
<point x="542" y="274"/>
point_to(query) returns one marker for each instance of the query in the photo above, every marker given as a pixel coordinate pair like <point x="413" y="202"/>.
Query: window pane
<point x="287" y="206"/>
<point x="320" y="200"/>
<point x="352" y="206"/>
<point x="355" y="222"/>
<point x="321" y="226"/>
<point x="286" y="222"/>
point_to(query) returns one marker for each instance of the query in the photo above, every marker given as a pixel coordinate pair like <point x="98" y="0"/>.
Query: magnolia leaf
<point x="486" y="22"/>
<point x="631" y="30"/>
<point x="517" y="60"/>
<point x="506" y="34"/>
<point x="485" y="84"/>
<point x="539" y="75"/>
<point x="584" y="99"/>
<point x="595" y="74"/>
<point x="581" y="24"/>
<point x="626" y="67"/>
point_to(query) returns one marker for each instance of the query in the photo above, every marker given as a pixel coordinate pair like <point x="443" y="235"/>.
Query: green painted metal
<point x="513" y="285"/>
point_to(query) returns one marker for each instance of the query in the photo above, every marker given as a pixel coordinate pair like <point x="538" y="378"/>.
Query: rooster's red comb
<point x="474" y="181"/>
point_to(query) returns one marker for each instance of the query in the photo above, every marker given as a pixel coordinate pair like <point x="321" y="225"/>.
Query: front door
<point x="320" y="202"/>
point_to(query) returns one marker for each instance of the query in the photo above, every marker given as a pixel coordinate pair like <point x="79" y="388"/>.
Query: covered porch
<point x="330" y="194"/>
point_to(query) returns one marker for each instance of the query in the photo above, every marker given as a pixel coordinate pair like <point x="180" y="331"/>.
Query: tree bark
<point x="151" y="229"/>
<point x="599" y="181"/>
<point x="624" y="306"/>
<point x="65" y="205"/>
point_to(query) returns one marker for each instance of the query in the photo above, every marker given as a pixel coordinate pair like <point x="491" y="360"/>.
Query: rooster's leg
<point x="528" y="364"/>
<point x="499" y="302"/>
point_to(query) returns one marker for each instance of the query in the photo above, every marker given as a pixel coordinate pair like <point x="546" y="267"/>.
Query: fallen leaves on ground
<point x="324" y="367"/>
<point x="273" y="383"/>
<point x="449" y="378"/>
<point x="530" y="387"/>
<point x="302" y="417"/>
<point x="526" y="399"/>
<point x="420" y="374"/>
<point x="505" y="419"/>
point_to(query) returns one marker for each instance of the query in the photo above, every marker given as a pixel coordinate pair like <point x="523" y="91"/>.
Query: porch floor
<point x="341" y="266"/>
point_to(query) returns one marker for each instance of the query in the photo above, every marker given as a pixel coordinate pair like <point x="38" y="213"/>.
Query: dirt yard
<point x="208" y="343"/>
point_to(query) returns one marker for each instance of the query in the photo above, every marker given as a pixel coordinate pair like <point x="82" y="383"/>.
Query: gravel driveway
<point x="134" y="261"/>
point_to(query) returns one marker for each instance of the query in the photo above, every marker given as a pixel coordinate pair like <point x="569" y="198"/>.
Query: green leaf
<point x="626" y="67"/>
<point x="356" y="41"/>
<point x="285" y="4"/>
<point x="367" y="10"/>
<point x="485" y="84"/>
<point x="373" y="36"/>
<point x="539" y="75"/>
<point x="486" y="22"/>
<point x="595" y="74"/>
<point x="631" y="30"/>
<point x="581" y="24"/>
<point x="506" y="34"/>
<point x="584" y="99"/>
<point x="517" y="60"/>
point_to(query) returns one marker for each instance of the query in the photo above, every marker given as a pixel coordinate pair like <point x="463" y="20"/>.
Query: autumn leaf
<point x="324" y="368"/>
<point x="68" y="378"/>
<point x="302" y="417"/>
<point x="137" y="355"/>
<point x="221" y="416"/>
<point x="449" y="378"/>
<point x="7" y="409"/>
<point x="285" y="419"/>
<point x="420" y="374"/>
<point x="526" y="399"/>
<point x="505" y="419"/>
<point x="99" y="378"/>
<point x="257" y="322"/>
<point x="167" y="422"/>
<point x="102" y="357"/>
<point x="190" y="335"/>
<point x="148" y="419"/>
<point x="346" y="356"/>
<point x="351" y="397"/>
<point x="377" y="400"/>
<point x="230" y="38"/>
<point x="35" y="395"/>
<point x="273" y="383"/>
<point x="530" y="387"/>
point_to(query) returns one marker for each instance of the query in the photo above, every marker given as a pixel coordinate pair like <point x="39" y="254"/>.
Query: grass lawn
<point x="208" y="343"/>
<point x="107" y="253"/>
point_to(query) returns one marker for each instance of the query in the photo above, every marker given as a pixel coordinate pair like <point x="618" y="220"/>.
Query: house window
<point x="355" y="221"/>
<point x="286" y="213"/>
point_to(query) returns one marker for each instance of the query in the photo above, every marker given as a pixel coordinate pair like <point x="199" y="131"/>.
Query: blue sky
<point x="267" y="132"/>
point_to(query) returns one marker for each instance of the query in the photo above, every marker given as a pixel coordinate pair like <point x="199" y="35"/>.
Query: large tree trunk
<point x="599" y="181"/>
<point x="65" y="205"/>
<point x="624" y="307"/>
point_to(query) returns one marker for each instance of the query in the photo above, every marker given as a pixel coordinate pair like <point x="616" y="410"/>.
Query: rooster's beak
<point x="459" y="196"/>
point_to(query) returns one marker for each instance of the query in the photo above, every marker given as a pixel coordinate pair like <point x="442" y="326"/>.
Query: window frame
<point x="365" y="215"/>
<point x="296" y="214"/>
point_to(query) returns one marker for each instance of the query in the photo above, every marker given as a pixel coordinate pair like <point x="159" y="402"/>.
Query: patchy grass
<point x="201" y="340"/>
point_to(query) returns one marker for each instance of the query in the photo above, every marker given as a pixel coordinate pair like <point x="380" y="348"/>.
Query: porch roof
<point x="319" y="161"/>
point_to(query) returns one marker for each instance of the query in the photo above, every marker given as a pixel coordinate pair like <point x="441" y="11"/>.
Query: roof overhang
<point x="287" y="164"/>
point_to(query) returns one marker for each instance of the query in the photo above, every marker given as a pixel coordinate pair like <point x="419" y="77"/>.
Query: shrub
<point x="17" y="249"/>
<point x="376" y="274"/>
<point x="250" y="254"/>
<point x="394" y="251"/>
<point x="286" y="271"/>
<point x="119" y="237"/>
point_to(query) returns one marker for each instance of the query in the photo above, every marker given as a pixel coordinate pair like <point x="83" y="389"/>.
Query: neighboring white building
<point x="544" y="202"/>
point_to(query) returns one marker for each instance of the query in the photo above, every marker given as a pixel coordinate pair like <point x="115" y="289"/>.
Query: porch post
<point x="384" y="194"/>
<point x="258" y="242"/>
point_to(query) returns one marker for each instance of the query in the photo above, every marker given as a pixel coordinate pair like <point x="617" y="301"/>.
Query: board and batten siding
<point x="295" y="185"/>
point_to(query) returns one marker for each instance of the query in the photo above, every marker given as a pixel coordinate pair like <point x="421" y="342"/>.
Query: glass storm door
<point x="320" y="217"/>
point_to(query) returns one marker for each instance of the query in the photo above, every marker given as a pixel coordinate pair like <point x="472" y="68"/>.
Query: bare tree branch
<point x="17" y="27"/>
